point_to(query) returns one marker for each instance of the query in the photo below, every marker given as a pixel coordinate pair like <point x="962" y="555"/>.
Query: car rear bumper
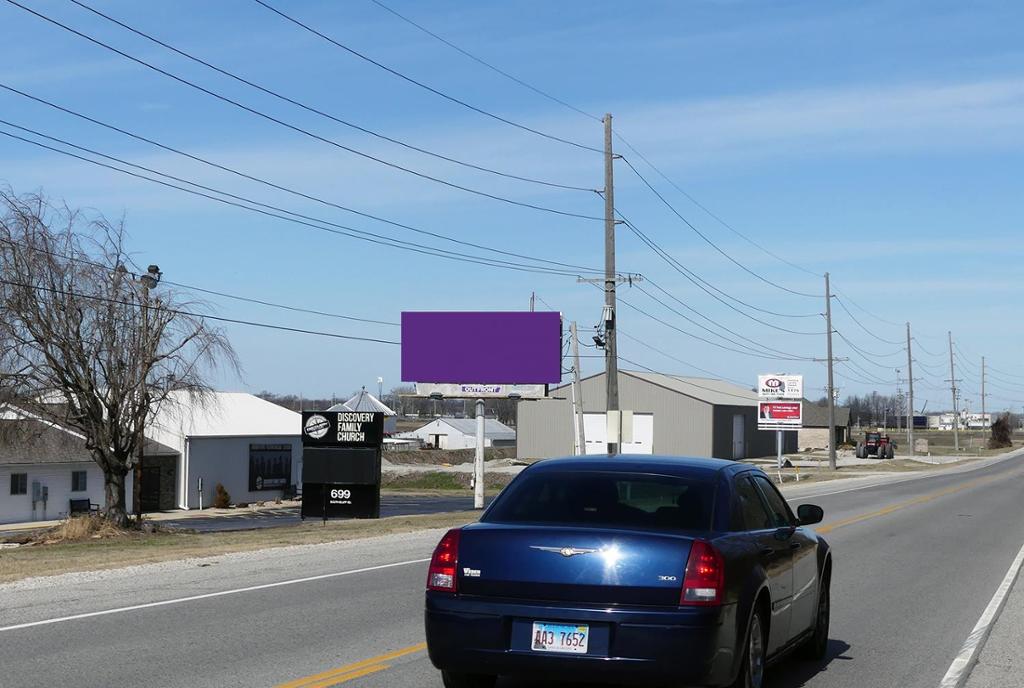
<point x="687" y="646"/>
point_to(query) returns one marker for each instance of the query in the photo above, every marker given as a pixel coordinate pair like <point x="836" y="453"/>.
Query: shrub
<point x="1002" y="435"/>
<point x="221" y="498"/>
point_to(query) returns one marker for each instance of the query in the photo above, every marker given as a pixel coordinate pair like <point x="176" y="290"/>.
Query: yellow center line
<point x="902" y="505"/>
<point x="343" y="678"/>
<point x="354" y="670"/>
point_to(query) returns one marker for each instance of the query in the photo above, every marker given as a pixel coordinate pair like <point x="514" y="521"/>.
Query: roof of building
<point x="493" y="428"/>
<point x="29" y="440"/>
<point x="364" y="402"/>
<point x="817" y="416"/>
<point x="227" y="414"/>
<point x="717" y="392"/>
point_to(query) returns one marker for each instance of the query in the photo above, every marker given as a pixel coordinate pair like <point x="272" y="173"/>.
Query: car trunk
<point x="572" y="564"/>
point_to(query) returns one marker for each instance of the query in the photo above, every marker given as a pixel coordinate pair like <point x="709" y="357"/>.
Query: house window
<point x="19" y="483"/>
<point x="78" y="481"/>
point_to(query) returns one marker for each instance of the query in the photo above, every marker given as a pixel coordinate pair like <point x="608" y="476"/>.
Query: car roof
<point x="688" y="466"/>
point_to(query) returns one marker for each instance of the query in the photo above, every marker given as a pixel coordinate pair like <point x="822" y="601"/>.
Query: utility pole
<point x="533" y="298"/>
<point x="147" y="281"/>
<point x="831" y="382"/>
<point x="910" y="394"/>
<point x="577" y="394"/>
<point x="984" y="422"/>
<point x="953" y="391"/>
<point x="611" y="350"/>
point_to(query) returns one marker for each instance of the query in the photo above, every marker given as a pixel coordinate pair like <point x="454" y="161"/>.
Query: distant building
<point x="814" y="433"/>
<point x="682" y="416"/>
<point x="460" y="433"/>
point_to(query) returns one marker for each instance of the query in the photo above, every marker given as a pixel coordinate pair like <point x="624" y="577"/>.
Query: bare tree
<point x="81" y="343"/>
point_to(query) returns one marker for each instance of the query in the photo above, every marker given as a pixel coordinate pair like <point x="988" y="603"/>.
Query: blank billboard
<point x="482" y="347"/>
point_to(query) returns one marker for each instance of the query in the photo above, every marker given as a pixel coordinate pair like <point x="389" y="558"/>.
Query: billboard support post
<point x="478" y="467"/>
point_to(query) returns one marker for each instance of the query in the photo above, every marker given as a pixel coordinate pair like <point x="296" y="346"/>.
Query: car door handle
<point x="794" y="545"/>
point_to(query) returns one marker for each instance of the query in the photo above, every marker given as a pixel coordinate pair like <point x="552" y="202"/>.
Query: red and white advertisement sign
<point x="780" y="415"/>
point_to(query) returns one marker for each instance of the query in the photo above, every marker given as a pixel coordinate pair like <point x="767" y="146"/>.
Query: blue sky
<point x="881" y="141"/>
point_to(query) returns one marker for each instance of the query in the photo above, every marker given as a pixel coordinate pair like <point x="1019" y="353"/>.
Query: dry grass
<point x="137" y="547"/>
<point x="79" y="529"/>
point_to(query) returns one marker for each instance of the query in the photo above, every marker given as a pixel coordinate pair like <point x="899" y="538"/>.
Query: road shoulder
<point x="1001" y="662"/>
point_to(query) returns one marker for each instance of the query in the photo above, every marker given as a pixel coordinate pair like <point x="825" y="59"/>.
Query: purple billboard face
<point x="486" y="348"/>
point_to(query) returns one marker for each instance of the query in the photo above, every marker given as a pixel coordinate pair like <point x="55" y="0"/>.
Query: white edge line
<point x="205" y="596"/>
<point x="961" y="667"/>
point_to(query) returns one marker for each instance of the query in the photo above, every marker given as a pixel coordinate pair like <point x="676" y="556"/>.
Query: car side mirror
<point x="809" y="514"/>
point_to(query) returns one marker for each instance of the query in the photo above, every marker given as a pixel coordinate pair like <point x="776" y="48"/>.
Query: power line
<point x="690" y="320"/>
<point x="595" y="118"/>
<point x="925" y="350"/>
<point x="333" y="118"/>
<point x="201" y="316"/>
<point x="343" y="231"/>
<point x="862" y="326"/>
<point x="422" y="85"/>
<point x="286" y="189"/>
<point x="866" y="311"/>
<point x="486" y="64"/>
<point x="867" y="354"/>
<point x="711" y="214"/>
<point x="205" y="290"/>
<point x="707" y="240"/>
<point x="707" y="287"/>
<point x="676" y="359"/>
<point x="306" y="132"/>
<point x="708" y="341"/>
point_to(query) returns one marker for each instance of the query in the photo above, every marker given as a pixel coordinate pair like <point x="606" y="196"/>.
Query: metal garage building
<point x="685" y="416"/>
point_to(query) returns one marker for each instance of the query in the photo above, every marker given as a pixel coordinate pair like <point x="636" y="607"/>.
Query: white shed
<point x="460" y="433"/>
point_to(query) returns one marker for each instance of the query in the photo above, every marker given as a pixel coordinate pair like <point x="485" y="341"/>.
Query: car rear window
<point x="610" y="500"/>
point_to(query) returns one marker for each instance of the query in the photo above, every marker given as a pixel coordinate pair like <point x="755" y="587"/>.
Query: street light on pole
<point x="148" y="281"/>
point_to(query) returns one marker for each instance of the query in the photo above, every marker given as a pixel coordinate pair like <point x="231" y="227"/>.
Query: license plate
<point x="571" y="638"/>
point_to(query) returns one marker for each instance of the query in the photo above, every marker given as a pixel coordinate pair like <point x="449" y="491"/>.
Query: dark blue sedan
<point x="628" y="569"/>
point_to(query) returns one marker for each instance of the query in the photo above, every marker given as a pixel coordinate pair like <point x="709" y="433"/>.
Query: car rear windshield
<point x="609" y="500"/>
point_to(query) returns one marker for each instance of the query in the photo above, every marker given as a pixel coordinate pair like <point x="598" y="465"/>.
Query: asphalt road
<point x="915" y="565"/>
<point x="391" y="505"/>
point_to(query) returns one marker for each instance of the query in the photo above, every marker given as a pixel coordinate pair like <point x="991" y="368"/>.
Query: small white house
<point x="460" y="433"/>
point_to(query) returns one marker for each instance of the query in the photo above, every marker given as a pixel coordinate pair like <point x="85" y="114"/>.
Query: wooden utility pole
<point x="910" y="394"/>
<point x="611" y="350"/>
<point x="984" y="421"/>
<point x="831" y="381"/>
<point x="953" y="391"/>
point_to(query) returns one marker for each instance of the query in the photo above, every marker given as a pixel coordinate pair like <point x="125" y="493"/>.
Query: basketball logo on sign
<point x="317" y="426"/>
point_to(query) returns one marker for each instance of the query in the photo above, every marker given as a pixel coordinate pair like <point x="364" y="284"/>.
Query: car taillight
<point x="444" y="564"/>
<point x="704" y="582"/>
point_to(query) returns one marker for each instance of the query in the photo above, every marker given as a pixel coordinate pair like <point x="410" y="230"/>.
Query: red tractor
<point x="877" y="445"/>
